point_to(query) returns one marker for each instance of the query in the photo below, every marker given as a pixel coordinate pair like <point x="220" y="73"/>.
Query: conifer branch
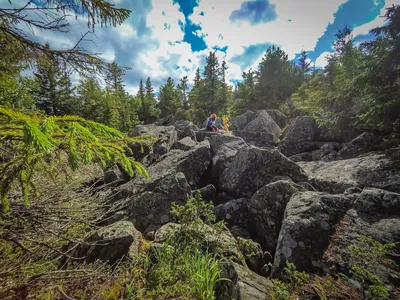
<point x="34" y="140"/>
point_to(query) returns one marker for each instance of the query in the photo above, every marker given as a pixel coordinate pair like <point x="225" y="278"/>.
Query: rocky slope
<point x="303" y="194"/>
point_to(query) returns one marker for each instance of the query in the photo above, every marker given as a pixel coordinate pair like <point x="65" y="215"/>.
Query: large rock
<point x="222" y="243"/>
<point x="110" y="243"/>
<point x="253" y="167"/>
<point x="165" y="136"/>
<point x="150" y="210"/>
<point x="240" y="122"/>
<point x="267" y="208"/>
<point x="185" y="144"/>
<point x="375" y="169"/>
<point x="264" y="123"/>
<point x="364" y="143"/>
<point x="307" y="226"/>
<point x="234" y="212"/>
<point x="185" y="129"/>
<point x="278" y="117"/>
<point x="208" y="193"/>
<point x="243" y="284"/>
<point x="256" y="138"/>
<point x="192" y="163"/>
<point x="299" y="137"/>
<point x="223" y="149"/>
<point x="228" y="140"/>
<point x="203" y="135"/>
<point x="376" y="215"/>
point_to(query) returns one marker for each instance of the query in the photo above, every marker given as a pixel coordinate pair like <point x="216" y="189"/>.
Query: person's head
<point x="213" y="116"/>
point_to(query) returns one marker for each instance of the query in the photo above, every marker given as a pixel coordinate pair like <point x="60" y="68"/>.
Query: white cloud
<point x="322" y="60"/>
<point x="377" y="22"/>
<point x="301" y="33"/>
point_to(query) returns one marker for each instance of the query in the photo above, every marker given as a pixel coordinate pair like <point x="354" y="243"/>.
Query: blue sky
<point x="165" y="38"/>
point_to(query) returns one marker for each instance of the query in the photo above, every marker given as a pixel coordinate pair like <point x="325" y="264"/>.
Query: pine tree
<point x="182" y="86"/>
<point x="276" y="78"/>
<point x="224" y="92"/>
<point x="304" y="65"/>
<point x="147" y="112"/>
<point x="93" y="100"/>
<point x="169" y="98"/>
<point x="198" y="106"/>
<point x="69" y="103"/>
<point x="48" y="95"/>
<point x="211" y="81"/>
<point x="245" y="96"/>
<point x="114" y="74"/>
<point x="141" y="93"/>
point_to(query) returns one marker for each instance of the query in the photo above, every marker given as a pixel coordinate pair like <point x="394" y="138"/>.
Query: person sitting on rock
<point x="211" y="123"/>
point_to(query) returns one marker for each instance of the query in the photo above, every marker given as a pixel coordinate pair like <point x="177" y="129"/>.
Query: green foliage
<point x="169" y="99"/>
<point x="193" y="216"/>
<point x="180" y="268"/>
<point x="367" y="255"/>
<point x="33" y="142"/>
<point x="361" y="82"/>
<point x="292" y="284"/>
<point x="148" y="110"/>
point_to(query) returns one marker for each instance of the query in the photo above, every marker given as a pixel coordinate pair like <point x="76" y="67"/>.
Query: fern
<point x="31" y="141"/>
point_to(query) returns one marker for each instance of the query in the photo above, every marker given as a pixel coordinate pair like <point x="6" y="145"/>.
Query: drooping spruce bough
<point x="32" y="141"/>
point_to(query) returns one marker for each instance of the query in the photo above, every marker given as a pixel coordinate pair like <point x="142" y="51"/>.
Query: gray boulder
<point x="222" y="243"/>
<point x="305" y="156"/>
<point x="243" y="284"/>
<point x="299" y="137"/>
<point x="253" y="167"/>
<point x="110" y="243"/>
<point x="307" y="226"/>
<point x="376" y="215"/>
<point x="364" y="143"/>
<point x="278" y="117"/>
<point x="267" y="208"/>
<point x="165" y="136"/>
<point x="185" y="144"/>
<point x="256" y="138"/>
<point x="264" y="123"/>
<point x="208" y="193"/>
<point x="185" y="129"/>
<point x="150" y="210"/>
<point x="202" y="135"/>
<point x="240" y="122"/>
<point x="375" y="169"/>
<point x="223" y="149"/>
<point x="327" y="152"/>
<point x="234" y="212"/>
<point x="192" y="163"/>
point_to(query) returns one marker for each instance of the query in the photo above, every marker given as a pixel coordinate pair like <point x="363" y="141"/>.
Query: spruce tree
<point x="147" y="112"/>
<point x="276" y="78"/>
<point x="93" y="100"/>
<point x="304" y="65"/>
<point x="183" y="86"/>
<point x="212" y="82"/>
<point x="169" y="98"/>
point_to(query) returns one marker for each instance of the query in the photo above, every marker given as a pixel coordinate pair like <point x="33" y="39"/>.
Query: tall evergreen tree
<point x="92" y="98"/>
<point x="183" y="86"/>
<point x="114" y="74"/>
<point x="276" y="79"/>
<point x="147" y="112"/>
<point x="245" y="95"/>
<point x="54" y="89"/>
<point x="304" y="65"/>
<point x="169" y="98"/>
<point x="212" y="82"/>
